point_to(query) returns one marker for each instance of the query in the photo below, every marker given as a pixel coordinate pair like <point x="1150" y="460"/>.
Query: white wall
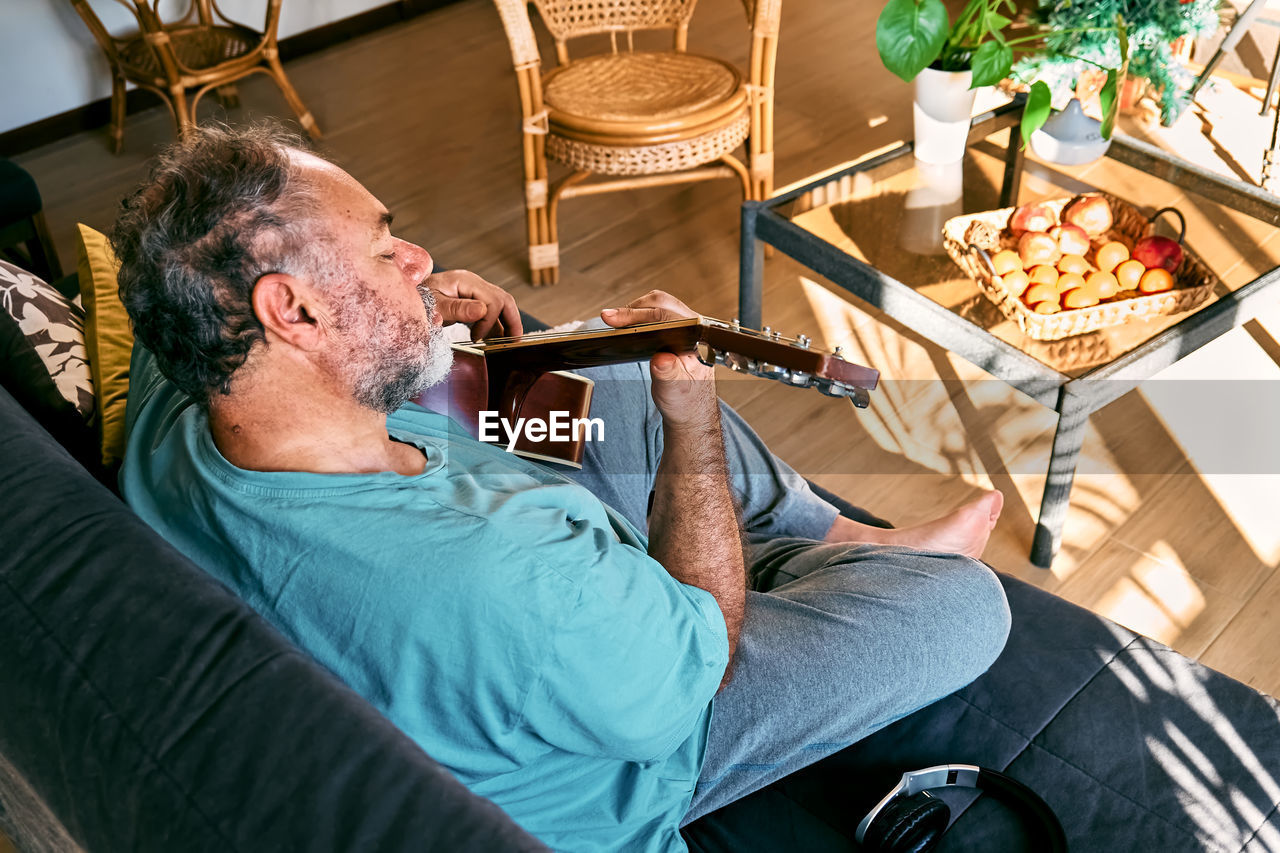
<point x="49" y="63"/>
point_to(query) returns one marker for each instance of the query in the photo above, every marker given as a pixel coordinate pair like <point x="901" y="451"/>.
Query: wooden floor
<point x="1165" y="534"/>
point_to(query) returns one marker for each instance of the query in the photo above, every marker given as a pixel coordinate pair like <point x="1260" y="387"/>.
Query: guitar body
<point x="510" y="379"/>
<point x="465" y="394"/>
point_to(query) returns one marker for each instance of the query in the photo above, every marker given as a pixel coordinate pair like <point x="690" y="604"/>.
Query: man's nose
<point x="415" y="261"/>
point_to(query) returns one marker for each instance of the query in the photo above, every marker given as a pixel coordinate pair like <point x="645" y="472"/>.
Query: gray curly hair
<point x="220" y="209"/>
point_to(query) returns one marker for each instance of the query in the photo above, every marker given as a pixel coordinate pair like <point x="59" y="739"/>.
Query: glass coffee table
<point x="873" y="228"/>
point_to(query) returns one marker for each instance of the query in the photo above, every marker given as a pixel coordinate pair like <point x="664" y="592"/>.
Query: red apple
<point x="1071" y="239"/>
<point x="1031" y="217"/>
<point x="1037" y="247"/>
<point x="1090" y="212"/>
<point x="1158" y="252"/>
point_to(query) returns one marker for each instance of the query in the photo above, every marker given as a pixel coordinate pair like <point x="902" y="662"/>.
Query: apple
<point x="1090" y="212"/>
<point x="1037" y="247"/>
<point x="1072" y="239"/>
<point x="1031" y="217"/>
<point x="1158" y="252"/>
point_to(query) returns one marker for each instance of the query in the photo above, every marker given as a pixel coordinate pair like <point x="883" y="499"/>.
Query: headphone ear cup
<point x="908" y="825"/>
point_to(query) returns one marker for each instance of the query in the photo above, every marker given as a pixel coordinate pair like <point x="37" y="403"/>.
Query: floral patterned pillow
<point x="54" y="327"/>
<point x="42" y="356"/>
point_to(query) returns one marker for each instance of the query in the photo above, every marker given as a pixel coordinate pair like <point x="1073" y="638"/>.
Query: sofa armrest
<point x="152" y="710"/>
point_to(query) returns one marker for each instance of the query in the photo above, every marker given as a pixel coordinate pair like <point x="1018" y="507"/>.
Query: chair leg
<point x="183" y="115"/>
<point x="291" y="97"/>
<point x="229" y="96"/>
<point x="551" y="230"/>
<point x="117" y="112"/>
<point x="544" y="265"/>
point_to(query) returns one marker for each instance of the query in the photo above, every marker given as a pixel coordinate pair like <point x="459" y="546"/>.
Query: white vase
<point x="937" y="195"/>
<point x="942" y="110"/>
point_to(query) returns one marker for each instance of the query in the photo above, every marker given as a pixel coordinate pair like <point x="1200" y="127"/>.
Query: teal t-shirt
<point x="499" y="614"/>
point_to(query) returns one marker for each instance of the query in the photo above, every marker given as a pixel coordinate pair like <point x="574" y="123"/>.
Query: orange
<point x="1044" y="274"/>
<point x="1006" y="261"/>
<point x="1156" y="280"/>
<point x="1102" y="283"/>
<point x="1040" y="293"/>
<point x="1073" y="264"/>
<point x="1128" y="273"/>
<point x="1069" y="281"/>
<point x="1081" y="297"/>
<point x="1046" y="308"/>
<point x="1111" y="255"/>
<point x="1015" y="282"/>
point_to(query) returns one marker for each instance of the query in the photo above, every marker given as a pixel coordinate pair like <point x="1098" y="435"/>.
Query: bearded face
<point x="388" y="356"/>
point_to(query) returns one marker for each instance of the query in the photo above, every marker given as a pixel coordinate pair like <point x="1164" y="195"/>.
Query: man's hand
<point x="684" y="389"/>
<point x="464" y="297"/>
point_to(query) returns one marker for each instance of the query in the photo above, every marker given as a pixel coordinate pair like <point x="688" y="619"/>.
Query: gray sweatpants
<point x="838" y="640"/>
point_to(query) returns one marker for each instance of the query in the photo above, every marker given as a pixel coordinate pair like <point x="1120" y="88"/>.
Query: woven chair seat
<point x="197" y="48"/>
<point x="643" y="98"/>
<point x="650" y="159"/>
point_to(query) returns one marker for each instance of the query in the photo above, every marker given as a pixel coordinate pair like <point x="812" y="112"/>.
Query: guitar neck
<point x="765" y="354"/>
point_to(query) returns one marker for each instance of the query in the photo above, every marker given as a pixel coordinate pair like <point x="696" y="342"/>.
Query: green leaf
<point x="1036" y="112"/>
<point x="1109" y="97"/>
<point x="910" y="35"/>
<point x="992" y="62"/>
<point x="997" y="22"/>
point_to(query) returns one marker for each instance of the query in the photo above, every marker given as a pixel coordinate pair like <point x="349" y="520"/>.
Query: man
<point x="596" y="667"/>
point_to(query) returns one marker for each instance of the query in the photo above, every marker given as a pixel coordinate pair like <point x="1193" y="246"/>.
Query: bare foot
<point x="964" y="531"/>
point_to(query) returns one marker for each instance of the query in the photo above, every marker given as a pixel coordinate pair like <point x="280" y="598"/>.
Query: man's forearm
<point x="693" y="526"/>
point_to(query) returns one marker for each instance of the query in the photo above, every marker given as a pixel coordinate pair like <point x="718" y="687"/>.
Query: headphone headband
<point x="1003" y="787"/>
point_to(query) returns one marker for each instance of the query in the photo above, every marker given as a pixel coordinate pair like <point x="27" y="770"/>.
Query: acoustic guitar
<point x="506" y="379"/>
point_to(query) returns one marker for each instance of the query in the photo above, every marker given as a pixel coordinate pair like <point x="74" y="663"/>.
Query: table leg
<point x="750" y="270"/>
<point x="1013" y="161"/>
<point x="1073" y="416"/>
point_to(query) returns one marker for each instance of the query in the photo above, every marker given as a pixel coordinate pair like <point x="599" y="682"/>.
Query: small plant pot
<point x="942" y="112"/>
<point x="1069" y="137"/>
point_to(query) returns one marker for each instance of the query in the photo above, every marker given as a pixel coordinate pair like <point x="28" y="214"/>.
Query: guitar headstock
<point x="794" y="361"/>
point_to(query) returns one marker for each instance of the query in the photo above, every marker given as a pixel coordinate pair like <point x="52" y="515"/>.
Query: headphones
<point x="910" y="820"/>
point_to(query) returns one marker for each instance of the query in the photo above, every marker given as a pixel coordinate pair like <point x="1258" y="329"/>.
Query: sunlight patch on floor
<point x="1251" y="502"/>
<point x="1196" y="405"/>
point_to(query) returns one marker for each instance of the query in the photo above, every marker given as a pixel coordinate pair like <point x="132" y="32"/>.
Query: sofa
<point x="145" y="708"/>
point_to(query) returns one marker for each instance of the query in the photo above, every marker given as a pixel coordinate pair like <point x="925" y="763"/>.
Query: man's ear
<point x="284" y="306"/>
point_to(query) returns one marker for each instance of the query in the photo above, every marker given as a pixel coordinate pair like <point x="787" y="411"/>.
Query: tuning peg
<point x="770" y="370"/>
<point x="802" y="341"/>
<point x="837" y="352"/>
<point x="775" y="334"/>
<point x="768" y="330"/>
<point x="736" y="324"/>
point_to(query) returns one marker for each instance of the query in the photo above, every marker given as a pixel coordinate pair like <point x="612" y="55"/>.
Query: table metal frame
<point x="1074" y="399"/>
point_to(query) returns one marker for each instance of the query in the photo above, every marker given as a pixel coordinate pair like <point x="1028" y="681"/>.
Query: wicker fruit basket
<point x="970" y="239"/>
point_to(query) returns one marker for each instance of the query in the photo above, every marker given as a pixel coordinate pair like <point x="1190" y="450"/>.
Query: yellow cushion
<point x="108" y="337"/>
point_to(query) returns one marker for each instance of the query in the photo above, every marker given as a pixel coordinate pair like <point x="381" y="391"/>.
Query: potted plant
<point x="947" y="61"/>
<point x="1074" y="47"/>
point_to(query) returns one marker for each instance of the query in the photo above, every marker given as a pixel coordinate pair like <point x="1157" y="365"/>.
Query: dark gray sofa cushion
<point x="152" y="710"/>
<point x="1135" y="747"/>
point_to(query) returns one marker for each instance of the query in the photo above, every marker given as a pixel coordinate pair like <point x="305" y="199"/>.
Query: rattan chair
<point x="642" y="118"/>
<point x="181" y="61"/>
